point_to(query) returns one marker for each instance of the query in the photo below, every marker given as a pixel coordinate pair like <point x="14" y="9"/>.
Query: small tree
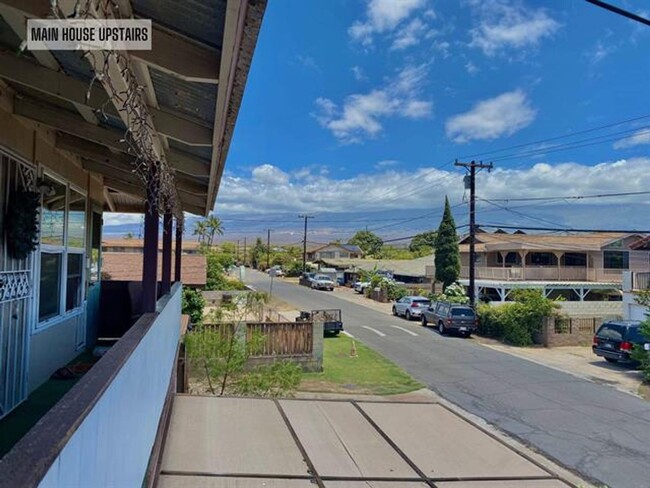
<point x="369" y="242"/>
<point x="424" y="243"/>
<point x="213" y="227"/>
<point x="193" y="304"/>
<point x="200" y="230"/>
<point x="447" y="258"/>
<point x="258" y="254"/>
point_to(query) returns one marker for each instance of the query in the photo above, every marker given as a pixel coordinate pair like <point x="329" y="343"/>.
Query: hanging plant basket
<point x="21" y="223"/>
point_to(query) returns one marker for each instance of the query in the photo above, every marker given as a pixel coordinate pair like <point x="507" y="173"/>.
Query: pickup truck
<point x="451" y="317"/>
<point x="331" y="320"/>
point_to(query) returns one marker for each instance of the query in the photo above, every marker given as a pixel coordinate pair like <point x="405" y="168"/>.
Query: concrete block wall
<point x="611" y="310"/>
<point x="572" y="337"/>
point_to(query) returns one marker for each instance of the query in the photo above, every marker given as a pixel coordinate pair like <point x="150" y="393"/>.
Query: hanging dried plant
<point x="21" y="223"/>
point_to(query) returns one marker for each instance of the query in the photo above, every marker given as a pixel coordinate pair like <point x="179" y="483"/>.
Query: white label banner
<point x="89" y="34"/>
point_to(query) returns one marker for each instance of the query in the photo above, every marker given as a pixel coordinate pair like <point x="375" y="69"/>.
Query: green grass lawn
<point x="368" y="373"/>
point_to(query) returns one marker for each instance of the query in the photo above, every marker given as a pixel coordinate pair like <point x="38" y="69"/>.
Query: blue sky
<point x="361" y="106"/>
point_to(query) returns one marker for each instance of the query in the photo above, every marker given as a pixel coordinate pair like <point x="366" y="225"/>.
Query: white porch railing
<point x="102" y="431"/>
<point x="544" y="273"/>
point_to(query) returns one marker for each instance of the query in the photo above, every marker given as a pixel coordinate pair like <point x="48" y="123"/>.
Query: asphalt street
<point x="593" y="429"/>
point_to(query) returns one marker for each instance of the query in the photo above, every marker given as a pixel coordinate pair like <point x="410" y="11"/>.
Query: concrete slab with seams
<point x="503" y="484"/>
<point x="443" y="445"/>
<point x="230" y="436"/>
<point x="169" y="481"/>
<point x="340" y="442"/>
<point x="375" y="484"/>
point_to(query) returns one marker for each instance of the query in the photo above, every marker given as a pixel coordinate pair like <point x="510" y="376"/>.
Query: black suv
<point x="615" y="340"/>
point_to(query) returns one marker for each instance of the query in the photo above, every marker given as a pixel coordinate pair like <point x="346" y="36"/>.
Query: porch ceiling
<point x="193" y="81"/>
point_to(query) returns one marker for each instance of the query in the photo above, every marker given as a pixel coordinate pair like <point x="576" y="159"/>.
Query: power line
<point x="521" y="214"/>
<point x="571" y="197"/>
<point x="556" y="138"/>
<point x="547" y="229"/>
<point x="593" y="141"/>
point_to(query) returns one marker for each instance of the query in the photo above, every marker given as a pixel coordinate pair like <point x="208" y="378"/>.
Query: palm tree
<point x="213" y="226"/>
<point x="201" y="230"/>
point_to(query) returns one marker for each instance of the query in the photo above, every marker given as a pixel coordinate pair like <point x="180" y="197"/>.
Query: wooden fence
<point x="282" y="338"/>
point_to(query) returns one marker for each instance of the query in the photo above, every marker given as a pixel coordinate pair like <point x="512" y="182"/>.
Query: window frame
<point x="625" y="256"/>
<point x="63" y="250"/>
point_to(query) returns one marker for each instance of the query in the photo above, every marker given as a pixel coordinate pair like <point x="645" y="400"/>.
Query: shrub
<point x="640" y="354"/>
<point x="454" y="293"/>
<point x="518" y="322"/>
<point x="294" y="270"/>
<point x="193" y="304"/>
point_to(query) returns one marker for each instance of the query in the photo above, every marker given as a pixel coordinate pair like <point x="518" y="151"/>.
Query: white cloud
<point x="382" y="16"/>
<point x="268" y="174"/>
<point x="308" y="62"/>
<point x="113" y="218"/>
<point x="600" y="52"/>
<point x="360" y="115"/>
<point x="386" y="163"/>
<point x="409" y="35"/>
<point x="471" y="68"/>
<point x="358" y="73"/>
<point x="384" y="190"/>
<point x="509" y="25"/>
<point x="639" y="138"/>
<point x="492" y="118"/>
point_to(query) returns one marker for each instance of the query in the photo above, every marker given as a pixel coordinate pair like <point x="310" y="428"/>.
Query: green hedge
<point x="516" y="322"/>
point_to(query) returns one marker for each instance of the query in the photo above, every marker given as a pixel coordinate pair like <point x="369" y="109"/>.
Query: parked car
<point x="322" y="282"/>
<point x="614" y="340"/>
<point x="276" y="271"/>
<point x="360" y="286"/>
<point x="450" y="317"/>
<point x="411" y="306"/>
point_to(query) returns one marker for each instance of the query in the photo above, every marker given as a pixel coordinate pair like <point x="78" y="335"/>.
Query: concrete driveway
<point x="242" y="442"/>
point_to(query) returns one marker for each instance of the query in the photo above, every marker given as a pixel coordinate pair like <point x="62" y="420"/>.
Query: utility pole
<point x="268" y="248"/>
<point x="304" y="243"/>
<point x="472" y="166"/>
<point x="244" y="251"/>
<point x="237" y="250"/>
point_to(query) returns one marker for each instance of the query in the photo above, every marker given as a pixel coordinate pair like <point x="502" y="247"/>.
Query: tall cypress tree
<point x="447" y="258"/>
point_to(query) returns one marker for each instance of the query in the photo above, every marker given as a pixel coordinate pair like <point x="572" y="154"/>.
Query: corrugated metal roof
<point x="203" y="152"/>
<point x="74" y="64"/>
<point x="177" y="95"/>
<point x="202" y="20"/>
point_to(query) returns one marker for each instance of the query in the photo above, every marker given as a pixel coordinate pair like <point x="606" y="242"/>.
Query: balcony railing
<point x="545" y="273"/>
<point x="103" y="430"/>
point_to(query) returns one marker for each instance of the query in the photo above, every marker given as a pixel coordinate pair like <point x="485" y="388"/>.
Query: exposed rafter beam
<point x="16" y="21"/>
<point x="69" y="123"/>
<point x="172" y="53"/>
<point x="65" y="121"/>
<point x="120" y="161"/>
<point x="109" y="200"/>
<point x="70" y="89"/>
